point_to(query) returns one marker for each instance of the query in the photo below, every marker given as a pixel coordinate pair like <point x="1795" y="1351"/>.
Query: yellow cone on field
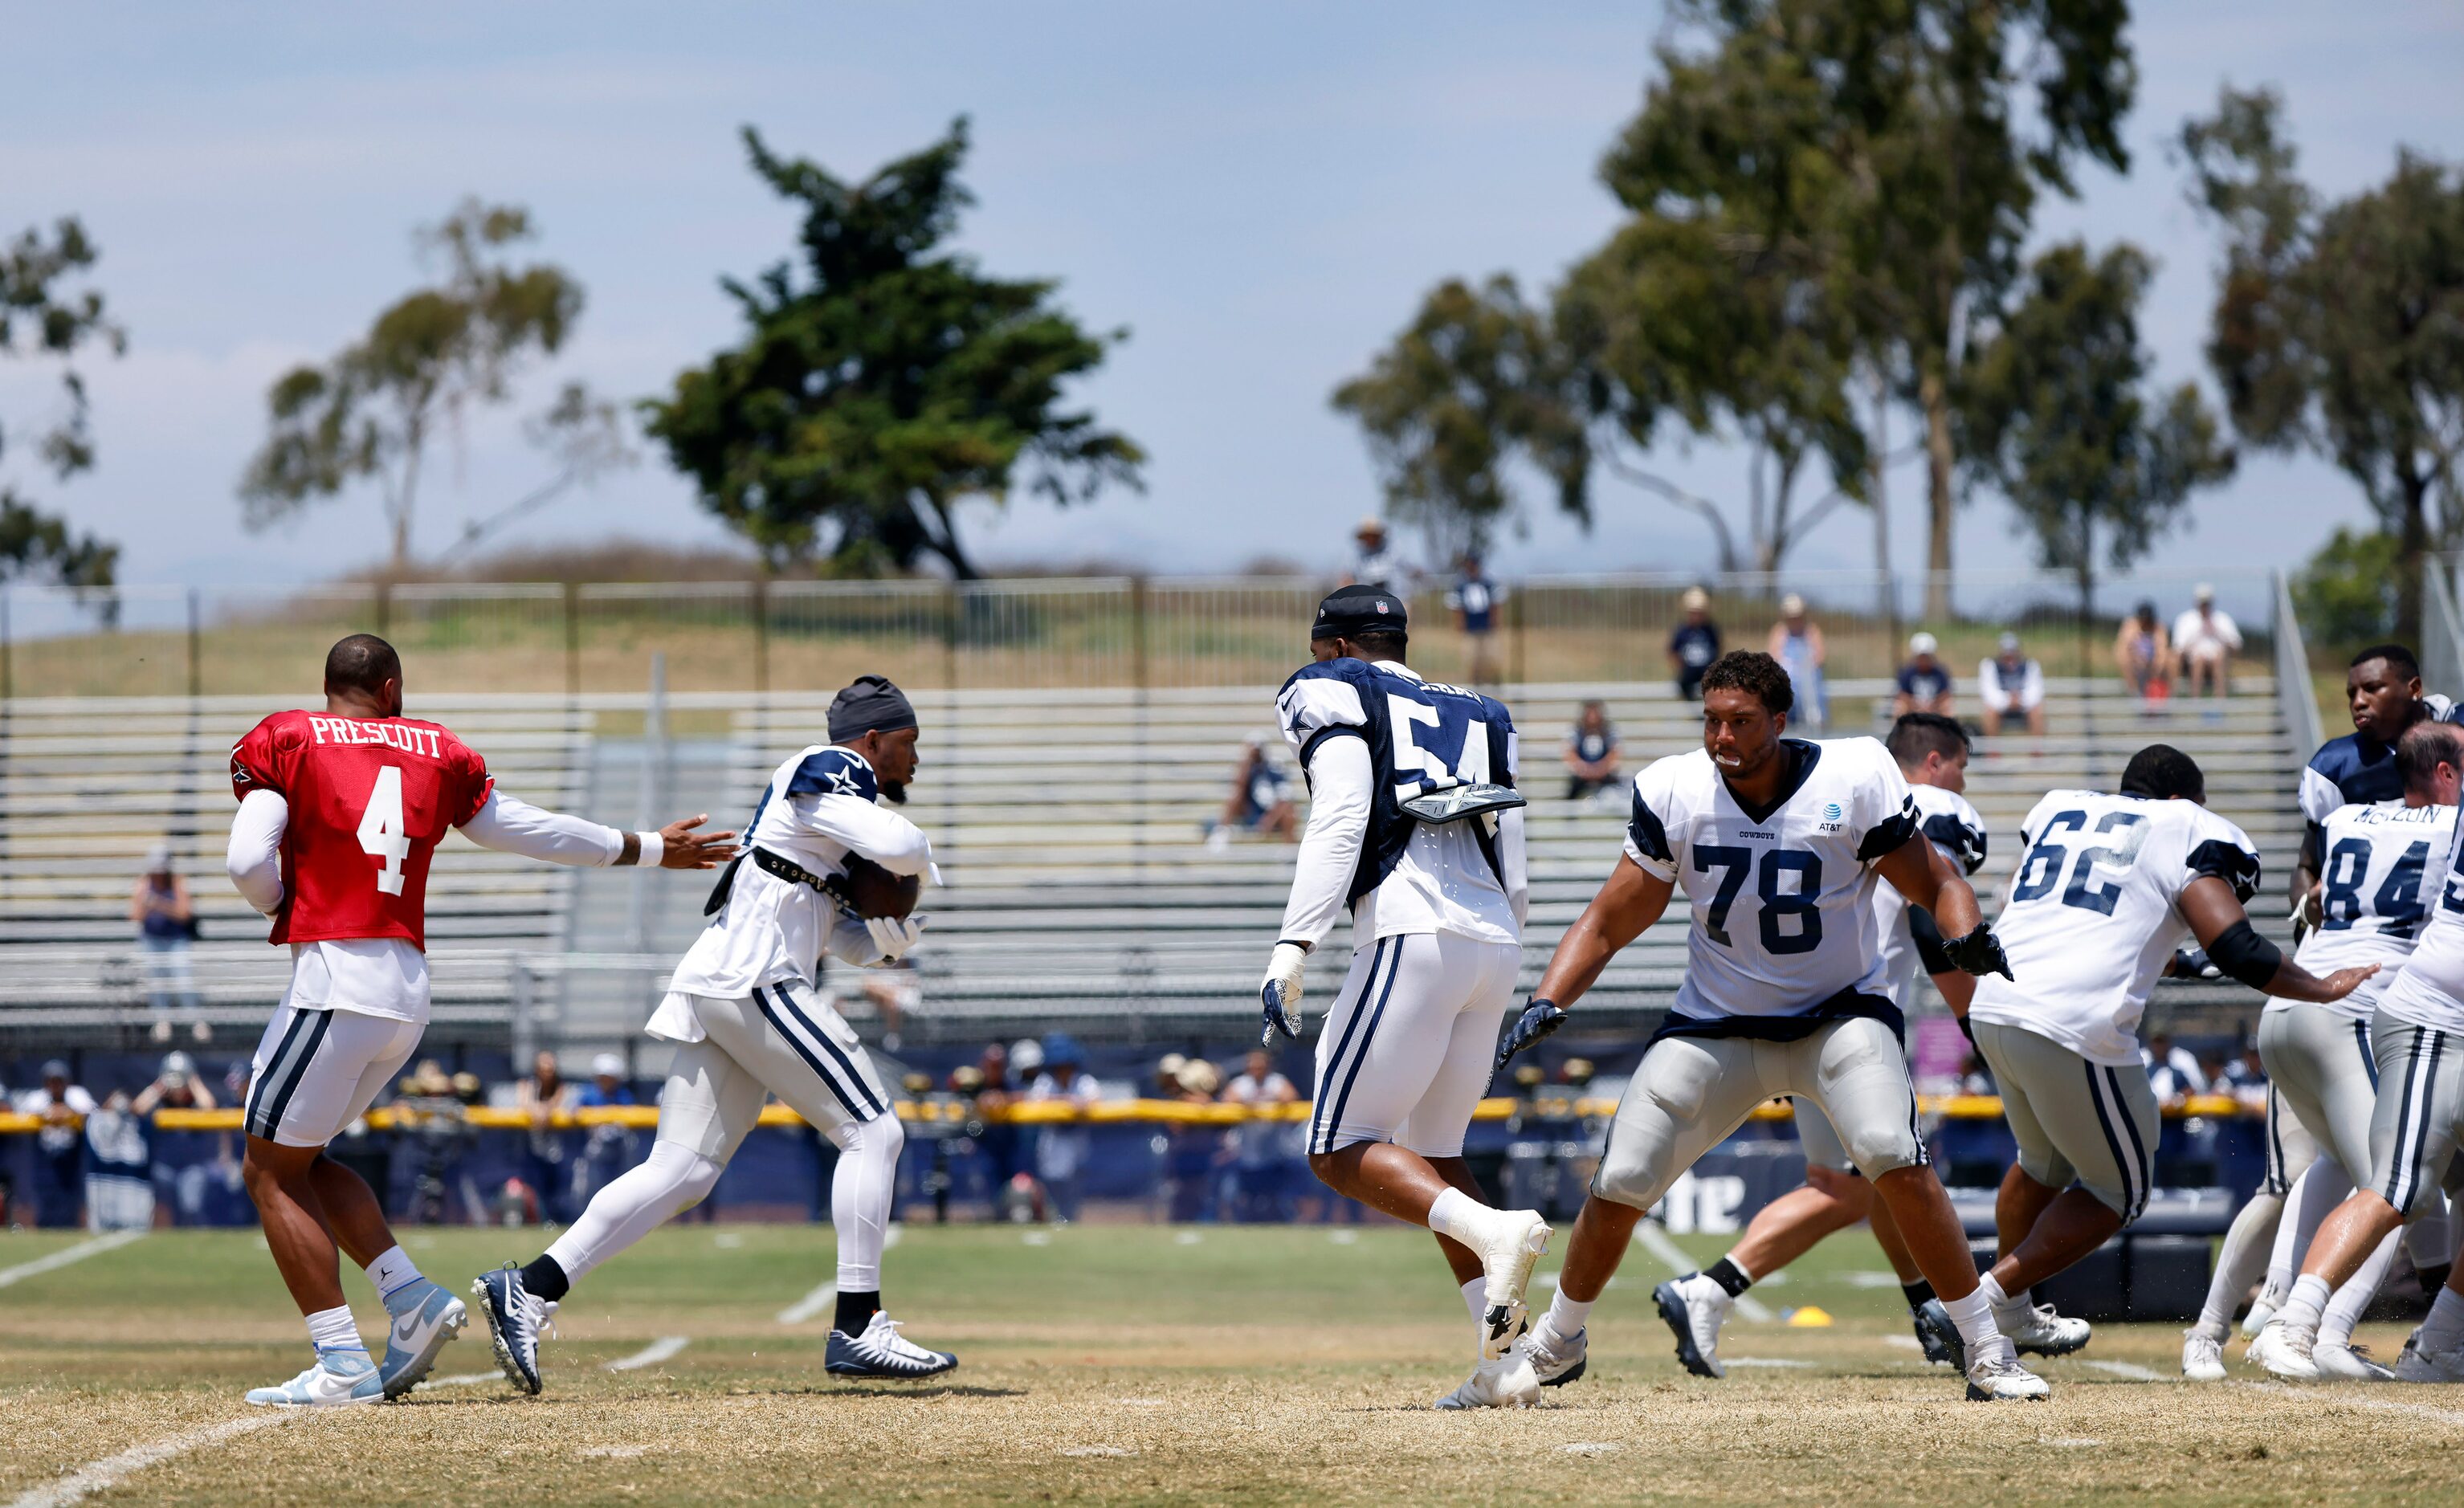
<point x="1809" y="1318"/>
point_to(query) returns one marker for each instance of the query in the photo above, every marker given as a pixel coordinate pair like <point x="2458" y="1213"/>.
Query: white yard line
<point x="809" y="1306"/>
<point x="1648" y="1236"/>
<point x="1906" y="1343"/>
<point x="67" y="1255"/>
<point x="2312" y="1395"/>
<point x="651" y="1355"/>
<point x="96" y="1477"/>
<point x="2129" y="1369"/>
<point x="1764" y="1361"/>
<point x="463" y="1379"/>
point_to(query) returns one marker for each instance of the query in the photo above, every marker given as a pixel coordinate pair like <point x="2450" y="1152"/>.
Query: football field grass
<point x="1126" y="1364"/>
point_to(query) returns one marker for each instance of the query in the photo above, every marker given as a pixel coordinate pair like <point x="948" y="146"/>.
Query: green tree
<point x="430" y="359"/>
<point x="1476" y="381"/>
<point x="42" y="317"/>
<point x="2347" y="593"/>
<point x="2339" y="327"/>
<point x="2054" y="416"/>
<point x="888" y="383"/>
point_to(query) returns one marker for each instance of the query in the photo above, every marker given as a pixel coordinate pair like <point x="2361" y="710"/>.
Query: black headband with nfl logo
<point x="1354" y="610"/>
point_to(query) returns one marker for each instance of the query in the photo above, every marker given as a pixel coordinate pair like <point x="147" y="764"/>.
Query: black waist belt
<point x="769" y="862"/>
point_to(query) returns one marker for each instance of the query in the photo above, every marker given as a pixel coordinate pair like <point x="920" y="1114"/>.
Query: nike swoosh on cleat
<point x="407" y="1327"/>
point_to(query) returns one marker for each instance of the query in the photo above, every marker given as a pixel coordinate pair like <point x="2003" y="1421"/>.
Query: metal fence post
<point x="525" y="1030"/>
<point x="385" y="608"/>
<point x="196" y="645"/>
<point x="8" y="652"/>
<point x="761" y="635"/>
<point x="572" y="639"/>
<point x="1514" y="606"/>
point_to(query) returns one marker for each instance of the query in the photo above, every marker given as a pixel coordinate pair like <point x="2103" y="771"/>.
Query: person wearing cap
<point x="1924" y="682"/>
<point x="60" y="1178"/>
<point x="748" y="1019"/>
<point x="1378" y="564"/>
<point x="610" y="1146"/>
<point x="1436" y="903"/>
<point x="1064" y="1148"/>
<point x="1796" y="644"/>
<point x="178" y="1086"/>
<point x="1474" y="599"/>
<point x="166" y="917"/>
<point x="2011" y="685"/>
<point x="1694" y="644"/>
<point x="2205" y="639"/>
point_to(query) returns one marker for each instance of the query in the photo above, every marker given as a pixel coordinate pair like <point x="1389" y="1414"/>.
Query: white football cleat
<point x="1994" y="1375"/>
<point x="1556" y="1359"/>
<point x="1506" y="1383"/>
<point x="1512" y="1248"/>
<point x="2039" y="1331"/>
<point x="881" y="1351"/>
<point x="2285" y="1350"/>
<point x="2347" y="1364"/>
<point x="1695" y="1308"/>
<point x="2420" y="1365"/>
<point x="335" y="1379"/>
<point x="2261" y="1310"/>
<point x="419" y="1320"/>
<point x="2203" y="1356"/>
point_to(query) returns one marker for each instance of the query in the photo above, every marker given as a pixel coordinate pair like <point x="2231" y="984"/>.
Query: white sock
<point x="672" y="1180"/>
<point x="1996" y="1298"/>
<point x="2243" y="1257"/>
<point x="2306" y="1304"/>
<point x="1975" y="1316"/>
<point x="2443" y="1329"/>
<point x="332" y="1330"/>
<point x="392" y="1272"/>
<point x="1460" y="1217"/>
<point x="2344" y="1310"/>
<point x="1476" y="1298"/>
<point x="860" y="1190"/>
<point x="1567" y="1317"/>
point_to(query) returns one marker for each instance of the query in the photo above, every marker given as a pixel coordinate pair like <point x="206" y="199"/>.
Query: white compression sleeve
<point x="1338" y="823"/>
<point x="510" y="824"/>
<point x="672" y="1180"/>
<point x="2315" y="1195"/>
<point x="2248" y="1244"/>
<point x="860" y="1190"/>
<point x="253" y="860"/>
<point x="877" y="832"/>
<point x="2427" y="1240"/>
<point x="2344" y="1310"/>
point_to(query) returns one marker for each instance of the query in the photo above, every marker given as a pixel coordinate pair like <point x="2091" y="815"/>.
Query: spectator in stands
<point x="1924" y="680"/>
<point x="2245" y="1079"/>
<point x="1062" y="1149"/>
<point x="1975" y="1077"/>
<point x="166" y="918"/>
<point x="1694" y="644"/>
<point x="542" y="1098"/>
<point x="2011" y="685"/>
<point x="1192" y="1149"/>
<point x="176" y="1086"/>
<point x="608" y="1148"/>
<point x="998" y="1141"/>
<point x="59" y="1144"/>
<point x="2144" y="655"/>
<point x="1590" y="751"/>
<point x="1260" y="800"/>
<point x="1377" y="563"/>
<point x="2173" y="1070"/>
<point x="1796" y="644"/>
<point x="1474" y="599"/>
<point x="2206" y="640"/>
<point x="1267" y="1155"/>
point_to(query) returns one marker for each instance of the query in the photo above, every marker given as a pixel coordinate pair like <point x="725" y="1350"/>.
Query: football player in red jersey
<point x="339" y="814"/>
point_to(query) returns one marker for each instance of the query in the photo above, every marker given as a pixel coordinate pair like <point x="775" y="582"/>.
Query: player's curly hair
<point x="2164" y="771"/>
<point x="1756" y="674"/>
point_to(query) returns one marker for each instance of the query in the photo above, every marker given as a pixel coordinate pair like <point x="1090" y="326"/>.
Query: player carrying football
<point x="1415" y="830"/>
<point x="339" y="814"/>
<point x="748" y="1022"/>
<point x="1775" y="840"/>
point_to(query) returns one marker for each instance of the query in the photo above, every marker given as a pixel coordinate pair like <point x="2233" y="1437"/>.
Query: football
<point x="871" y="890"/>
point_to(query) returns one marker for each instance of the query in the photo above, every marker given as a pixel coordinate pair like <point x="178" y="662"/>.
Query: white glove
<point x="894" y="935"/>
<point x="1281" y="992"/>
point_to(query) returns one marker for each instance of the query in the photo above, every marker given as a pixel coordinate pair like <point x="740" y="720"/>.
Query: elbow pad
<point x="2245" y="956"/>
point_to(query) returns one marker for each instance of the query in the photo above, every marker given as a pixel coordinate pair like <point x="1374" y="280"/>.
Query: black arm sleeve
<point x="2245" y="956"/>
<point x="1928" y="937"/>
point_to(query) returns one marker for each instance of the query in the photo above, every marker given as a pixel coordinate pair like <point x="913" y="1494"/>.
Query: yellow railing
<point x="1159" y="1112"/>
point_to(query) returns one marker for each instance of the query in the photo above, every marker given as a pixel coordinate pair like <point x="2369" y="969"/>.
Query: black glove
<point x="1539" y="1018"/>
<point x="1966" y="1029"/>
<point x="1979" y="952"/>
<point x="2193" y="963"/>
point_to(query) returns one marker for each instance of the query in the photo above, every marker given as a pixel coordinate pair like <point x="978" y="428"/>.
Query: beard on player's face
<point x="894" y="791"/>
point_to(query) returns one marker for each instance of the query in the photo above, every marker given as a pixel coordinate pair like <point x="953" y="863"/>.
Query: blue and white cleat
<point x="335" y="1379"/>
<point x="1556" y="1359"/>
<point x="423" y="1316"/>
<point x="1695" y="1307"/>
<point x="881" y="1351"/>
<point x="518" y="1318"/>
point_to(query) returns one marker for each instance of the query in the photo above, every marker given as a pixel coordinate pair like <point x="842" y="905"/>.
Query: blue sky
<point x="1260" y="192"/>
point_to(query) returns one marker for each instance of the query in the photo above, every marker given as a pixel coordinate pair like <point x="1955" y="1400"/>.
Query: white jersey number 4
<point x="381" y="829"/>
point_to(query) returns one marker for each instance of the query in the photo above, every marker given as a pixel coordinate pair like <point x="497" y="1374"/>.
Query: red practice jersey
<point x="370" y="799"/>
